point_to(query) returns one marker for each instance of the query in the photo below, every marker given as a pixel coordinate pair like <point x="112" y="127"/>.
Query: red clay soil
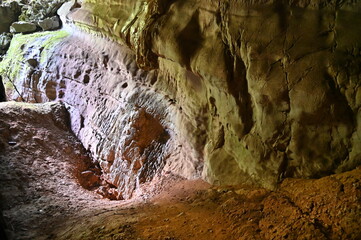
<point x="41" y="197"/>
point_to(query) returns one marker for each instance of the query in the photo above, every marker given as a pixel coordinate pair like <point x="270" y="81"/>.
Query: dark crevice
<point x="280" y="6"/>
<point x="282" y="170"/>
<point x="145" y="57"/>
<point x="238" y="87"/>
<point x="125" y="85"/>
<point x="237" y="75"/>
<point x="220" y="139"/>
<point x="2" y="91"/>
<point x="190" y="40"/>
<point x="2" y="227"/>
<point x="81" y="121"/>
<point x="86" y="79"/>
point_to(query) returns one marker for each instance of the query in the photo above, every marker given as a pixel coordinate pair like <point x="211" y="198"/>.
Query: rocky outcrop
<point x="36" y="10"/>
<point x="244" y="92"/>
<point x="22" y="27"/>
<point x="266" y="81"/>
<point x="49" y="23"/>
<point x="9" y="13"/>
<point x="30" y="12"/>
<point x="126" y="125"/>
<point x="33" y="16"/>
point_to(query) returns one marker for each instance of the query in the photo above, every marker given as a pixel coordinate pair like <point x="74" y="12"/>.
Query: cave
<point x="180" y="119"/>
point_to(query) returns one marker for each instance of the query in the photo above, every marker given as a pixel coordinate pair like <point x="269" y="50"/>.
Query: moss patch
<point x="24" y="47"/>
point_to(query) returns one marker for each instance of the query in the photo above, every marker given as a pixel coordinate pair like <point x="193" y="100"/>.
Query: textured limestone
<point x="126" y="125"/>
<point x="260" y="90"/>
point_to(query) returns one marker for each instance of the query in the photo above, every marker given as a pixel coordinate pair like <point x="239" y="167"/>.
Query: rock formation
<point x="22" y="27"/>
<point x="49" y="23"/>
<point x="33" y="15"/>
<point x="233" y="91"/>
<point x="9" y="13"/>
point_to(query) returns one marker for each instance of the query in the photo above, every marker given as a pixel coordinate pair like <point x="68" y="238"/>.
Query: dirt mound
<point x="40" y="162"/>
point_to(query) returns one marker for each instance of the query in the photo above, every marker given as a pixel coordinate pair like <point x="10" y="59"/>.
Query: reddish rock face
<point x="143" y="154"/>
<point x="126" y="125"/>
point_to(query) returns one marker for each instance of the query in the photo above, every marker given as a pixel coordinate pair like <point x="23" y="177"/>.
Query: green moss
<point x="21" y="47"/>
<point x="9" y="87"/>
<point x="50" y="41"/>
<point x="10" y="66"/>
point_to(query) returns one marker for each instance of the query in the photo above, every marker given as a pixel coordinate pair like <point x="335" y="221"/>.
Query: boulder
<point x="49" y="23"/>
<point x="22" y="27"/>
<point x="9" y="13"/>
<point x="37" y="10"/>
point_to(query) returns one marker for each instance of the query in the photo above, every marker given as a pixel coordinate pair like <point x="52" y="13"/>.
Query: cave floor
<point x="42" y="199"/>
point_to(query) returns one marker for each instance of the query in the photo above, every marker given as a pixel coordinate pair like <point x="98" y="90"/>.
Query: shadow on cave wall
<point x="2" y="91"/>
<point x="2" y="227"/>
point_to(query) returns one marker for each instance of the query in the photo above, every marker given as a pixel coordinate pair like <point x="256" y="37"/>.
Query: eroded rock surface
<point x="273" y="85"/>
<point x="126" y="125"/>
<point x="246" y="92"/>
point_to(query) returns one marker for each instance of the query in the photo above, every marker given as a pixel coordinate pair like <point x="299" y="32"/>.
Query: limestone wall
<point x="246" y="91"/>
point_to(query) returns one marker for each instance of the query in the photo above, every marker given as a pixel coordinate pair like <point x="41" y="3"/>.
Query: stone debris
<point x="22" y="27"/>
<point x="49" y="23"/>
<point x="9" y="13"/>
<point x="22" y="16"/>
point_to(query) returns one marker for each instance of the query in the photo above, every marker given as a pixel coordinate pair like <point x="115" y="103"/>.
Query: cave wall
<point x="125" y="124"/>
<point x="242" y="91"/>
